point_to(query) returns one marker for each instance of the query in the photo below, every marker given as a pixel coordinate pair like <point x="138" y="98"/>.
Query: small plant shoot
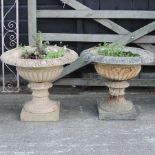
<point x="114" y="50"/>
<point x="42" y="51"/>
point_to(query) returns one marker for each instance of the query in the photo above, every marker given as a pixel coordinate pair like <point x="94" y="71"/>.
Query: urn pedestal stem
<point x="116" y="106"/>
<point x="40" y="108"/>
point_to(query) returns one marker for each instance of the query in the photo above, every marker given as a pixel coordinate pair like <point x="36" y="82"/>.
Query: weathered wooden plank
<point x="74" y="66"/>
<point x="96" y="14"/>
<point x="148" y="47"/>
<point x="147" y="76"/>
<point x="32" y="24"/>
<point x="101" y="82"/>
<point x="137" y="34"/>
<point x="146" y="39"/>
<point x="106" y="22"/>
<point x="94" y="37"/>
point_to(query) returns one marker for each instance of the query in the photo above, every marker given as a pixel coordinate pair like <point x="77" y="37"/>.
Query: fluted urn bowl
<point x="117" y="70"/>
<point x="40" y="73"/>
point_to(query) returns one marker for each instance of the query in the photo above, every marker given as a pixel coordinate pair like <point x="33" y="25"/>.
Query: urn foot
<point x="40" y="117"/>
<point x="114" y="115"/>
<point x="116" y="107"/>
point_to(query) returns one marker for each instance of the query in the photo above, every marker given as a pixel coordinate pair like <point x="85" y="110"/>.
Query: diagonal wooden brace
<point x="106" y="22"/>
<point x="116" y="28"/>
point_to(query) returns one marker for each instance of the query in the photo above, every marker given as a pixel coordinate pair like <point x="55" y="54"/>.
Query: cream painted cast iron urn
<point x="117" y="70"/>
<point x="40" y="73"/>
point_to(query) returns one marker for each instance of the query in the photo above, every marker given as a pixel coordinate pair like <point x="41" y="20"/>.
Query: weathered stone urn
<point x="40" y="73"/>
<point x="117" y="70"/>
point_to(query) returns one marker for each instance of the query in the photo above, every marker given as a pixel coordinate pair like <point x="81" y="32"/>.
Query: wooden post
<point x="32" y="21"/>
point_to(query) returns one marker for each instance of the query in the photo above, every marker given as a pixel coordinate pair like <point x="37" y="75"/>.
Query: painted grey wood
<point x="32" y="21"/>
<point x="120" y="14"/>
<point x="74" y="66"/>
<point x="106" y="22"/>
<point x="101" y="82"/>
<point x="137" y="34"/>
<point x="94" y="37"/>
<point x="148" y="47"/>
<point x="145" y="75"/>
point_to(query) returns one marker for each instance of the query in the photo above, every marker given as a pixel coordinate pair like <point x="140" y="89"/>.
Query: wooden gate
<point x="140" y="37"/>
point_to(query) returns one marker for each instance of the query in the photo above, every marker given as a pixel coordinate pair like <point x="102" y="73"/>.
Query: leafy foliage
<point x="115" y="50"/>
<point x="42" y="51"/>
<point x="55" y="54"/>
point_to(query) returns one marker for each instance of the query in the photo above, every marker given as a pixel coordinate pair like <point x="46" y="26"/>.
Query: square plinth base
<point x="107" y="115"/>
<point x="47" y="117"/>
